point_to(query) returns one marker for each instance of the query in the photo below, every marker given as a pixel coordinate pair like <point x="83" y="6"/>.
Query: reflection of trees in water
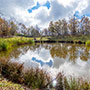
<point x="4" y="55"/>
<point x="34" y="47"/>
<point x="23" y="50"/>
<point x="16" y="51"/>
<point x="85" y="55"/>
<point x="20" y="50"/>
<point x="39" y="46"/>
<point x="59" y="51"/>
<point x="56" y="50"/>
<point x="73" y="51"/>
<point x="80" y="51"/>
<point x="13" y="52"/>
<point x="47" y="46"/>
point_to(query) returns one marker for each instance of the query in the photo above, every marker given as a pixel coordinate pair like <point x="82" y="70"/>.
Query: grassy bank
<point x="6" y="43"/>
<point x="8" y="85"/>
<point x="88" y="43"/>
<point x="38" y="79"/>
<point x="77" y="39"/>
<point x="82" y="38"/>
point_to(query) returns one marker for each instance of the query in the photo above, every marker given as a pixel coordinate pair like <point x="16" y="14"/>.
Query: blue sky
<point x="41" y="12"/>
<point x="77" y="14"/>
<point x="37" y="6"/>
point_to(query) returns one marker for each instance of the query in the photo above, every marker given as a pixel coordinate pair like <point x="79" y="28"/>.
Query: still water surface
<point x="70" y="58"/>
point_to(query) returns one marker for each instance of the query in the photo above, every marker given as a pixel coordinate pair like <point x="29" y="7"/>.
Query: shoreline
<point x="54" y="41"/>
<point x="7" y="43"/>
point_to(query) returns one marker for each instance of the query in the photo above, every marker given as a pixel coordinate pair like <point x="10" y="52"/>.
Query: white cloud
<point x="66" y="3"/>
<point x="82" y="5"/>
<point x="42" y="16"/>
<point x="41" y="1"/>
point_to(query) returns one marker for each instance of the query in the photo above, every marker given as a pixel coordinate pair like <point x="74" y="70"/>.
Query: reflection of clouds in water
<point x="26" y="59"/>
<point x="29" y="64"/>
<point x="81" y="63"/>
<point x="79" y="68"/>
<point x="68" y="47"/>
<point x="42" y="54"/>
<point x="80" y="51"/>
<point x="58" y="62"/>
<point x="50" y="63"/>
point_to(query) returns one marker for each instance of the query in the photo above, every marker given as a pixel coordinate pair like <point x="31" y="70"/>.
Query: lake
<point x="72" y="59"/>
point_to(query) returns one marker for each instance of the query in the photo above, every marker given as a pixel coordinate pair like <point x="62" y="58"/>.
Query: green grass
<point x="75" y="38"/>
<point x="8" y="85"/>
<point x="82" y="38"/>
<point x="3" y="45"/>
<point x="43" y="38"/>
<point x="88" y="43"/>
<point x="7" y="43"/>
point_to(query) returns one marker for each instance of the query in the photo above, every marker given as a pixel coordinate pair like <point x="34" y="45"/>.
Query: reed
<point x="72" y="84"/>
<point x="39" y="79"/>
<point x="32" y="78"/>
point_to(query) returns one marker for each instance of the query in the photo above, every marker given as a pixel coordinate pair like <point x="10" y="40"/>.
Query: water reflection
<point x="72" y="59"/>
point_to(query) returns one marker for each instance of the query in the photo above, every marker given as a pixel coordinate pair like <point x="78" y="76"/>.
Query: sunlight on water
<point x="54" y="83"/>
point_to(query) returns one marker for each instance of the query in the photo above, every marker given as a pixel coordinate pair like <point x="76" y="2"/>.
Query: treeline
<point x="73" y="26"/>
<point x="7" y="28"/>
<point x="11" y="28"/>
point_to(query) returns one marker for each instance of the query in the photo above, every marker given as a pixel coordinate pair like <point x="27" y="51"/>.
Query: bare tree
<point x="73" y="26"/>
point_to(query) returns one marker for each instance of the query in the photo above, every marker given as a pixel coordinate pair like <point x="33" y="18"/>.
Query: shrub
<point x="3" y="45"/>
<point x="36" y="78"/>
<point x="88" y="43"/>
<point x="30" y="41"/>
<point x="62" y="82"/>
<point x="12" y="71"/>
